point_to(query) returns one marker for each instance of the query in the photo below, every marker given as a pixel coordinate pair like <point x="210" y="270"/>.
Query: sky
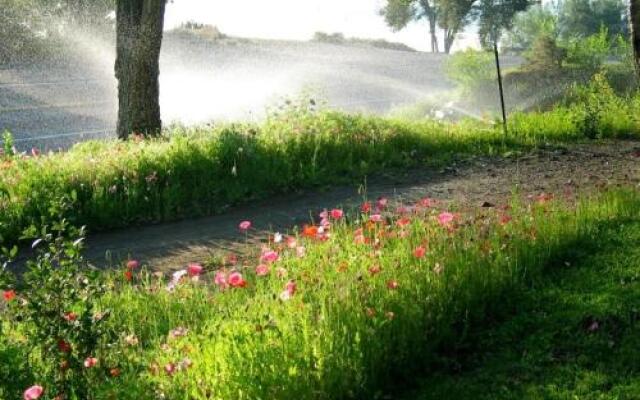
<point x="299" y="19"/>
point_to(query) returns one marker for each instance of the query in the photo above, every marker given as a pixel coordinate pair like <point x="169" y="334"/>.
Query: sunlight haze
<point x="298" y="20"/>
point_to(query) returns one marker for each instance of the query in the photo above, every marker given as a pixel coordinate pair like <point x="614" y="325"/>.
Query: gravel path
<point x="469" y="183"/>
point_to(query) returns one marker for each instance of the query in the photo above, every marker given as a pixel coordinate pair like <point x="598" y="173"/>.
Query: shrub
<point x="471" y="70"/>
<point x="590" y="53"/>
<point x="545" y="55"/>
<point x="57" y="306"/>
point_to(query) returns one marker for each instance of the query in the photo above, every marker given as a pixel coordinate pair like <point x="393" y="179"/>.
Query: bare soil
<point x="474" y="182"/>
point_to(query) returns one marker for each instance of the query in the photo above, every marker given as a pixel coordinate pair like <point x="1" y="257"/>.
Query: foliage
<point x="496" y="16"/>
<point x="529" y="25"/>
<point x="471" y="70"/>
<point x="596" y="101"/>
<point x="57" y="307"/>
<point x="545" y="55"/>
<point x="338" y="315"/>
<point x="8" y="148"/>
<point x="580" y="18"/>
<point x="450" y="15"/>
<point x="591" y="52"/>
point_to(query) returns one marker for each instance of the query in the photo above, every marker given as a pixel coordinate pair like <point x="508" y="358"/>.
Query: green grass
<point x="345" y="333"/>
<point x="203" y="171"/>
<point x="544" y="348"/>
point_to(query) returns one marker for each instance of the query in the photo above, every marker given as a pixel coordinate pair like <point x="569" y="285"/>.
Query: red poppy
<point x="310" y="231"/>
<point x="70" y="316"/>
<point x="420" y="252"/>
<point x="9" y="295"/>
<point x="63" y="346"/>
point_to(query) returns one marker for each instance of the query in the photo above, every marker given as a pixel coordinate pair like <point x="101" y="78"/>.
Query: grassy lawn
<point x="574" y="334"/>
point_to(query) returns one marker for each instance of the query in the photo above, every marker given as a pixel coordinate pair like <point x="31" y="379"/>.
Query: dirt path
<point x="472" y="182"/>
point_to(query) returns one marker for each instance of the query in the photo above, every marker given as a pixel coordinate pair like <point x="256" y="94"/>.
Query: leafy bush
<point x="545" y="55"/>
<point x="471" y="70"/>
<point x="590" y="53"/>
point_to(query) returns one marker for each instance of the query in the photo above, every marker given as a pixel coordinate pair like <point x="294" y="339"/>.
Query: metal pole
<point x="500" y="86"/>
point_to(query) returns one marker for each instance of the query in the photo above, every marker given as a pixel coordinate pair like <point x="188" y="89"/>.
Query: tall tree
<point x="399" y="13"/>
<point x="582" y="18"/>
<point x="139" y="26"/>
<point x="496" y="16"/>
<point x="454" y="15"/>
<point x="634" y="19"/>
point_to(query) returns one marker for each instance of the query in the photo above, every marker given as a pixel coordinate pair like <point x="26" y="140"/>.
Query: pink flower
<point x="170" y="369"/>
<point x="33" y="393"/>
<point x="366" y="207"/>
<point x="90" y="362"/>
<point x="445" y="218"/>
<point x="289" y="290"/>
<point x="220" y="280"/>
<point x="291" y="287"/>
<point x="262" y="270"/>
<point x="375" y="218"/>
<point x="402" y="210"/>
<point x="132" y="264"/>
<point x="420" y="252"/>
<point x="393" y="284"/>
<point x="236" y="280"/>
<point x="426" y="202"/>
<point x="381" y="203"/>
<point x="291" y="242"/>
<point x="336" y="213"/>
<point x="195" y="269"/>
<point x="245" y="226"/>
<point x="324" y="214"/>
<point x="269" y="256"/>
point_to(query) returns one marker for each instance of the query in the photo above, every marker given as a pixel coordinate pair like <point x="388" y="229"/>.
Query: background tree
<point x="496" y="16"/>
<point x="537" y="21"/>
<point x="634" y="18"/>
<point x="450" y="15"/>
<point x="139" y="26"/>
<point x="453" y="17"/>
<point x="399" y="13"/>
<point x="584" y="18"/>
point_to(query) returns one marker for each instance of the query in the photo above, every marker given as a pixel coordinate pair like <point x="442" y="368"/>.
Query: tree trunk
<point x="634" y="19"/>
<point x="449" y="39"/>
<point x="435" y="47"/>
<point x="139" y="37"/>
